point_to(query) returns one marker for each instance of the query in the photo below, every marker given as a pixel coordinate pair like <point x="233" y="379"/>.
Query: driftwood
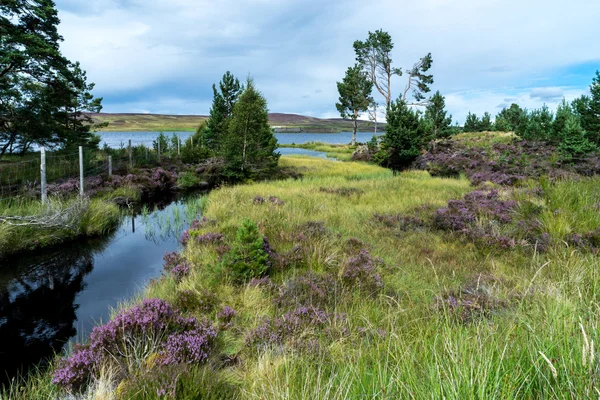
<point x="53" y="215"/>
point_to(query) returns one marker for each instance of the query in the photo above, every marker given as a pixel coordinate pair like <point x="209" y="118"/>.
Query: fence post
<point x="158" y="149"/>
<point x="130" y="156"/>
<point x="146" y="147"/>
<point x="43" y="174"/>
<point x="81" y="171"/>
<point x="109" y="165"/>
<point x="178" y="146"/>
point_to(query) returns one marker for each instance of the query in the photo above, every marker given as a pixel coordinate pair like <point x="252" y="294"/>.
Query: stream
<point x="49" y="298"/>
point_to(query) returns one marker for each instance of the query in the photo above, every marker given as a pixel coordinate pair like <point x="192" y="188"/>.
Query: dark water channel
<point x="48" y="298"/>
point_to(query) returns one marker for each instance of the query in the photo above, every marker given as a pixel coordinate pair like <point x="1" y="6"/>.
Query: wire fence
<point x="21" y="176"/>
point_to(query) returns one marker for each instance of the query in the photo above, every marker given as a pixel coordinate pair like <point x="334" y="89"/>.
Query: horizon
<point x="161" y="57"/>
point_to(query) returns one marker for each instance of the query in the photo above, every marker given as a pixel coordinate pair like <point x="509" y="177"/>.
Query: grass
<point x="536" y="341"/>
<point x="94" y="219"/>
<point x="341" y="152"/>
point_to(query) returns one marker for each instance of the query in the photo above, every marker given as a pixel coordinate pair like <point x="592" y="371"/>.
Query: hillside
<point x="281" y="123"/>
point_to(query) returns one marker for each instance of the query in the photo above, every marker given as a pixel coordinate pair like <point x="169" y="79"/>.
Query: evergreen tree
<point x="563" y="113"/>
<point x="588" y="110"/>
<point x="485" y="125"/>
<point x="501" y="124"/>
<point x="44" y="98"/>
<point x="224" y="99"/>
<point x="537" y="125"/>
<point x="514" y="115"/>
<point x="405" y="137"/>
<point x="194" y="149"/>
<point x="249" y="145"/>
<point x="471" y="123"/>
<point x="355" y="96"/>
<point x="436" y="116"/>
<point x="574" y="142"/>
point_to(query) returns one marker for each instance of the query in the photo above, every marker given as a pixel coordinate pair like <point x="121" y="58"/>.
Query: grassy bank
<point x="342" y="152"/>
<point x="28" y="225"/>
<point x="366" y="301"/>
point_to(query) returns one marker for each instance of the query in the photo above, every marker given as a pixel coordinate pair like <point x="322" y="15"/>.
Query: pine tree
<point x="588" y="109"/>
<point x="355" y="96"/>
<point x="514" y="115"/>
<point x="471" y="123"/>
<point x="224" y="99"/>
<point x="574" y="142"/>
<point x="249" y="145"/>
<point x="435" y="114"/>
<point x="405" y="137"/>
<point x="501" y="124"/>
<point x="563" y="113"/>
<point x="537" y="125"/>
<point x="485" y="125"/>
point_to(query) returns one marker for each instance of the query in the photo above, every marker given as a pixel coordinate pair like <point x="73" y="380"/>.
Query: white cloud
<point x="483" y="51"/>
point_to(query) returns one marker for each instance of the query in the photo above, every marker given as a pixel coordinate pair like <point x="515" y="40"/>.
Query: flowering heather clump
<point x="503" y="164"/>
<point x="475" y="300"/>
<point x="74" y="372"/>
<point x="171" y="260"/>
<point x="132" y="336"/>
<point x="190" y="347"/>
<point x="225" y="316"/>
<point x="589" y="241"/>
<point x="308" y="289"/>
<point x="353" y="246"/>
<point x="296" y="326"/>
<point x="210" y="238"/>
<point x="400" y="221"/>
<point x="185" y="237"/>
<point x="361" y="271"/>
<point x="344" y="192"/>
<point x="311" y="230"/>
<point x="259" y="200"/>
<point x="222" y="250"/>
<point x="461" y="213"/>
<point x="198" y="224"/>
<point x="276" y="201"/>
<point x="180" y="271"/>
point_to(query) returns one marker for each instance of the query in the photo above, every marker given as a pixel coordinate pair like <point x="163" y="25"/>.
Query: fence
<point x="30" y="175"/>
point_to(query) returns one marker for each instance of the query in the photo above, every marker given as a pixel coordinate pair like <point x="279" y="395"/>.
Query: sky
<point x="162" y="56"/>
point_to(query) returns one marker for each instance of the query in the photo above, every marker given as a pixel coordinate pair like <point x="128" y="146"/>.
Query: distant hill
<point x="168" y="123"/>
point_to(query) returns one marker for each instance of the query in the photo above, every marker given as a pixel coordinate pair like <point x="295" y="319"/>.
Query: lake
<point x="118" y="139"/>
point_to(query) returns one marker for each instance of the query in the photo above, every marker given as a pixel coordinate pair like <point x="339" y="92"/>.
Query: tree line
<point x="45" y="99"/>
<point x="414" y="120"/>
<point x="574" y="127"/>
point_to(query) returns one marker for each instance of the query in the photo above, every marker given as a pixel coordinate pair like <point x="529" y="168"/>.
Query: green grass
<point x="95" y="219"/>
<point x="341" y="152"/>
<point x="538" y="343"/>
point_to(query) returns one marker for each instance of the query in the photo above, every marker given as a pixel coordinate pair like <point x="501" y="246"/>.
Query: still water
<point x="121" y="139"/>
<point x="51" y="297"/>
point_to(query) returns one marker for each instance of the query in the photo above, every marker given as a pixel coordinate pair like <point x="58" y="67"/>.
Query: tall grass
<point x="534" y="338"/>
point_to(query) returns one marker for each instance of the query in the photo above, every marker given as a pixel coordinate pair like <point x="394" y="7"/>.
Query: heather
<point x="505" y="162"/>
<point x="417" y="288"/>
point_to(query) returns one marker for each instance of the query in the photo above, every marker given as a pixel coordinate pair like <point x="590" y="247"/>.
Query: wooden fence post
<point x="109" y="165"/>
<point x="81" y="192"/>
<point x="130" y="156"/>
<point x="43" y="175"/>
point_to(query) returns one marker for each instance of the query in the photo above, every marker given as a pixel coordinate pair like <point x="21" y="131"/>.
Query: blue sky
<point x="162" y="56"/>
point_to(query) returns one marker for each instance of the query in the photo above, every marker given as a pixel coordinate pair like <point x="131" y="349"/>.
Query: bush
<point x="247" y="258"/>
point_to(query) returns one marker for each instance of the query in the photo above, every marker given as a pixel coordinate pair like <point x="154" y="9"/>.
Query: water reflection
<point x="50" y="297"/>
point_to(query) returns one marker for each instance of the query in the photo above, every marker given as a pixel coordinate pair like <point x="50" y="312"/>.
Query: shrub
<point x="360" y="271"/>
<point x="309" y="289"/>
<point x="247" y="258"/>
<point x="132" y="337"/>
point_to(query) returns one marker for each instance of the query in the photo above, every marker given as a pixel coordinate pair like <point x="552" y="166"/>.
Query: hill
<point x="280" y="122"/>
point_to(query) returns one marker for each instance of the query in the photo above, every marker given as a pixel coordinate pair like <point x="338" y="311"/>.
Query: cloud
<point x="141" y="52"/>
<point x="546" y="93"/>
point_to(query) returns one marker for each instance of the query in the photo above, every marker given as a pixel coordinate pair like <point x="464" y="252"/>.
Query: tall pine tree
<point x="355" y="96"/>
<point x="437" y="118"/>
<point x="221" y="112"/>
